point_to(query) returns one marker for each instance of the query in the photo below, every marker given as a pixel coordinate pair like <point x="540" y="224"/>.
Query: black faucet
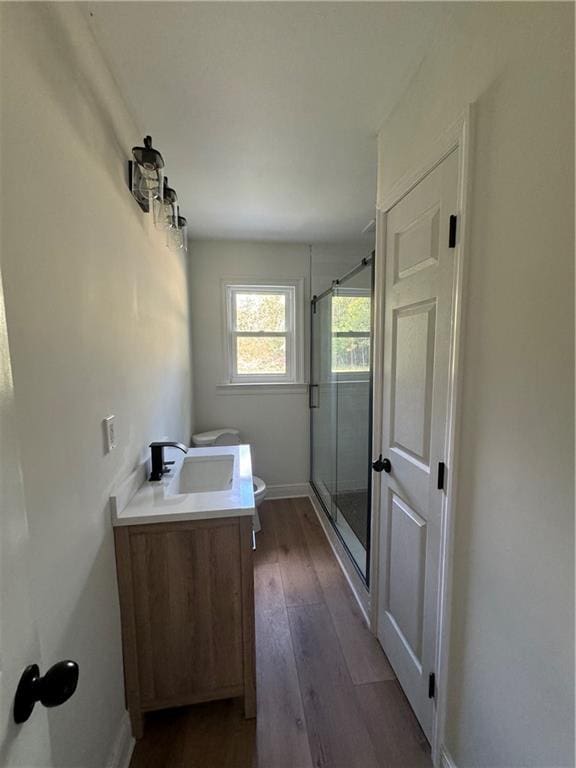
<point x="159" y="466"/>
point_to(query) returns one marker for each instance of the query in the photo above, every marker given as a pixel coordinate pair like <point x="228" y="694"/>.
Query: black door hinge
<point x="314" y="300"/>
<point x="432" y="686"/>
<point x="452" y="231"/>
<point x="441" y="475"/>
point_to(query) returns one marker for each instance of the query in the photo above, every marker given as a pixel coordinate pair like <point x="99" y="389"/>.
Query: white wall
<point x="330" y="261"/>
<point x="97" y="313"/>
<point x="512" y="672"/>
<point x="275" y="424"/>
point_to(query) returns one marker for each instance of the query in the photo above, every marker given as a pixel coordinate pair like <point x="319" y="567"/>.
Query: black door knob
<point x="381" y="465"/>
<point x="56" y="687"/>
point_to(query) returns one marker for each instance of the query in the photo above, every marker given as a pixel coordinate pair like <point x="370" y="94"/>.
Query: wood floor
<point x="327" y="697"/>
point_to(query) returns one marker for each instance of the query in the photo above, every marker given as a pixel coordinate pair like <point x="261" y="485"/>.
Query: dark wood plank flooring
<point x="327" y="697"/>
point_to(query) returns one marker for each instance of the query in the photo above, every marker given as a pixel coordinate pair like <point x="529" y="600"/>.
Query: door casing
<point x="457" y="137"/>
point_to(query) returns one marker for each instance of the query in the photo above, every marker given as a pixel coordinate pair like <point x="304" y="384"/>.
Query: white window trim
<point x="294" y="290"/>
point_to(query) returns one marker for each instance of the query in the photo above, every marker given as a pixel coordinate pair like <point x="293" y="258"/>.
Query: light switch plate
<point x="109" y="433"/>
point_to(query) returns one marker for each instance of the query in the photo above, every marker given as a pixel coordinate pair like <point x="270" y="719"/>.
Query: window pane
<point x="350" y="355"/>
<point x="257" y="355"/>
<point x="260" y="312"/>
<point x="350" y="313"/>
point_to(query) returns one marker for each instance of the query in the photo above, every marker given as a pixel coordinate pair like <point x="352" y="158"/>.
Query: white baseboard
<point x="123" y="746"/>
<point x="293" y="491"/>
<point x="446" y="759"/>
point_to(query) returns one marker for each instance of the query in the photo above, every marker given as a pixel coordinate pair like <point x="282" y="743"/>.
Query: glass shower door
<point x="351" y="343"/>
<point x="341" y="409"/>
<point x="323" y="405"/>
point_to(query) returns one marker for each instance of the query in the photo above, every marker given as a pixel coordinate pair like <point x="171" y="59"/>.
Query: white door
<point x="417" y="328"/>
<point x="27" y="745"/>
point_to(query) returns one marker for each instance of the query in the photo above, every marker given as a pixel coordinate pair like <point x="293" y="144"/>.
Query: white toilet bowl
<point x="259" y="489"/>
<point x="259" y="494"/>
<point x="232" y="437"/>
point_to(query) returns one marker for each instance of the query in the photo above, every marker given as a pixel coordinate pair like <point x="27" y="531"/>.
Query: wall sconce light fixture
<point x="150" y="189"/>
<point x="145" y="174"/>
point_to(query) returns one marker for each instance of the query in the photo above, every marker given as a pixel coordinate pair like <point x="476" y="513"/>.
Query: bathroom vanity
<point x="185" y="579"/>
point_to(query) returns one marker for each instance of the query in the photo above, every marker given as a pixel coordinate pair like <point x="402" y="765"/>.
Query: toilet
<point x="229" y="436"/>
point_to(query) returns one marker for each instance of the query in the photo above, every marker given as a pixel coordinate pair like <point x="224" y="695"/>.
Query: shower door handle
<point x="311" y="388"/>
<point x="382" y="465"/>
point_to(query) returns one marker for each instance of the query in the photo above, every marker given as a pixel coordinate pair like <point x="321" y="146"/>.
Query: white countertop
<point x="156" y="502"/>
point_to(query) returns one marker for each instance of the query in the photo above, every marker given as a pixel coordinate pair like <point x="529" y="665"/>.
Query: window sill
<point x="278" y="388"/>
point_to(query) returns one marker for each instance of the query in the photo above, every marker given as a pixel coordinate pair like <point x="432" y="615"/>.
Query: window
<point x="351" y="327"/>
<point x="263" y="344"/>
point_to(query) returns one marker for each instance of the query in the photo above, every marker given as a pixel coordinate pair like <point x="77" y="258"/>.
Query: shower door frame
<point x="366" y="263"/>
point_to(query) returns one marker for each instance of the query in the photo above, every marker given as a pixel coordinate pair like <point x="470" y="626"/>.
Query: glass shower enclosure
<point x="341" y="408"/>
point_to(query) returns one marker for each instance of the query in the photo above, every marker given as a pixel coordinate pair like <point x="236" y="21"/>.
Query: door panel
<point x="24" y="745"/>
<point x="412" y="373"/>
<point x="407" y="557"/>
<point x="416" y="247"/>
<point x="417" y="329"/>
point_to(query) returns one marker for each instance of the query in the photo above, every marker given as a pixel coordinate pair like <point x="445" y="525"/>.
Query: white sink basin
<point x="202" y="484"/>
<point x="202" y="474"/>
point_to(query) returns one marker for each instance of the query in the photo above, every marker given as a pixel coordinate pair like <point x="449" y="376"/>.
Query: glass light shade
<point x="183" y="227"/>
<point x="165" y="214"/>
<point x="147" y="185"/>
<point x="166" y="209"/>
<point x="177" y="237"/>
<point x="146" y="174"/>
<point x="148" y="158"/>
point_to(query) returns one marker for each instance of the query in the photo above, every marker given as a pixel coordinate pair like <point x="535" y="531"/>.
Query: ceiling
<point x="266" y="113"/>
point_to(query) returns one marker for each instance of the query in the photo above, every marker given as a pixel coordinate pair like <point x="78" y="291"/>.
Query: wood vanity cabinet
<point x="187" y="605"/>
